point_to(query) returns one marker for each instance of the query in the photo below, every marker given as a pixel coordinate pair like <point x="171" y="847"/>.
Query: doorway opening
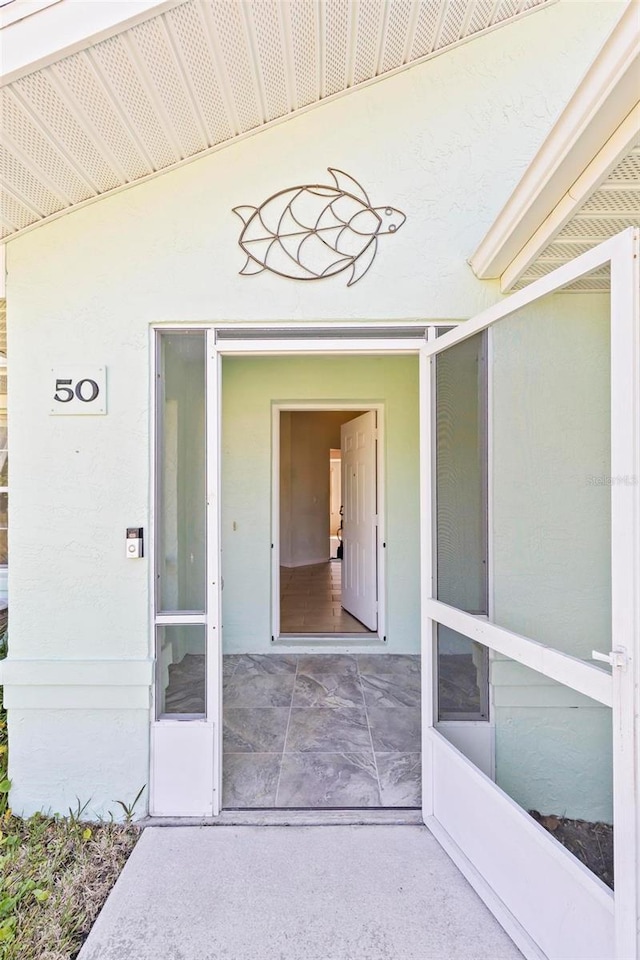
<point x="327" y="571"/>
<point x="329" y="718"/>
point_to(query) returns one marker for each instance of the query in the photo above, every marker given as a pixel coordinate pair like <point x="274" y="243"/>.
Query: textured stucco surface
<point x="67" y="758"/>
<point x="551" y="547"/>
<point x="556" y="759"/>
<point x="445" y="142"/>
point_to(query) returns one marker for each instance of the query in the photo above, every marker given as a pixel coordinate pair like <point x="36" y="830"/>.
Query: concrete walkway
<point x="294" y="893"/>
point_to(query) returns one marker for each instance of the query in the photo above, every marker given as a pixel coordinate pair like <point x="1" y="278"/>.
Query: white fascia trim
<point x="65" y="27"/>
<point x="602" y="101"/>
<point x="86" y="673"/>
<point x="3" y="272"/>
<point x="616" y="148"/>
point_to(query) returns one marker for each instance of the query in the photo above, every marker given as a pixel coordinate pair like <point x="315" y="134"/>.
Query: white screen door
<point x="564" y="562"/>
<point x="359" y="562"/>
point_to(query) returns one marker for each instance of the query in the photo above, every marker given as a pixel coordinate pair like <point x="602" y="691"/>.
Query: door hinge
<point x="617" y="657"/>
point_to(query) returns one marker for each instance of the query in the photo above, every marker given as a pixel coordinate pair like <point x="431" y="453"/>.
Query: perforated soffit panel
<point x="198" y="76"/>
<point x="612" y="207"/>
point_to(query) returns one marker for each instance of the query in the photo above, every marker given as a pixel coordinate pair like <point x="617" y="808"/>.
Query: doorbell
<point x="134" y="543"/>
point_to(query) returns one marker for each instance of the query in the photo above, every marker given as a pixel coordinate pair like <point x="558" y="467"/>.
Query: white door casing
<point x="334" y="644"/>
<point x="359" y="534"/>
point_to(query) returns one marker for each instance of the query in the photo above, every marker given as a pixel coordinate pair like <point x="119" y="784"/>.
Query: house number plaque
<point x="78" y="390"/>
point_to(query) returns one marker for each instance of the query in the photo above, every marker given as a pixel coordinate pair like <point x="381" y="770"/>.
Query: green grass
<point x="55" y="872"/>
<point x="4" y="758"/>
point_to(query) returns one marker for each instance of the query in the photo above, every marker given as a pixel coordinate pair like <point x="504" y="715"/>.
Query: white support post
<point x="275" y="524"/>
<point x="426" y="577"/>
<point x="625" y="587"/>
<point x="214" y="572"/>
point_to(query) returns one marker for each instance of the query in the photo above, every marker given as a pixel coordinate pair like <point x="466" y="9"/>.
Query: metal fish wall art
<point x="315" y="231"/>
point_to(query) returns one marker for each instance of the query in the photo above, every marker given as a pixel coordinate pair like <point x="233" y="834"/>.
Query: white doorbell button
<point x="134" y="543"/>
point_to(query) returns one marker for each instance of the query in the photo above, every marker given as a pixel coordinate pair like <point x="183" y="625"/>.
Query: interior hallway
<point x="310" y="600"/>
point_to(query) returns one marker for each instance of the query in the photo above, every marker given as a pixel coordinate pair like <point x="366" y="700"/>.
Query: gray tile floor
<point x="321" y="731"/>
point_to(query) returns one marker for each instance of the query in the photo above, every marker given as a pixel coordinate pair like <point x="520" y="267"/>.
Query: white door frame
<point x="214" y="561"/>
<point x="474" y="738"/>
<point x="555" y="881"/>
<point x="197" y="743"/>
<point x="316" y="643"/>
<point x="188" y="751"/>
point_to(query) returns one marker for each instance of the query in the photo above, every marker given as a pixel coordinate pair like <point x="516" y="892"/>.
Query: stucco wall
<point x="249" y="386"/>
<point x="445" y="142"/>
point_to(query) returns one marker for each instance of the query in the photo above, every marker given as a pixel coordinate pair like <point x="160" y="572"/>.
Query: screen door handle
<point x="617" y="657"/>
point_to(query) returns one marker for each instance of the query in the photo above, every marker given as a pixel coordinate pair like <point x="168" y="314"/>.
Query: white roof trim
<point x="604" y="101"/>
<point x="45" y="34"/>
<point x="614" y="150"/>
<point x="196" y="76"/>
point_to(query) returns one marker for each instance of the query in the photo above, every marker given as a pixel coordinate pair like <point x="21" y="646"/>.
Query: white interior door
<point x="359" y="561"/>
<point x="552" y="905"/>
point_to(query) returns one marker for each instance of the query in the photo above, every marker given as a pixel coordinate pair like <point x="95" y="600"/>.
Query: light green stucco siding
<point x="551" y="547"/>
<point x="85" y="290"/>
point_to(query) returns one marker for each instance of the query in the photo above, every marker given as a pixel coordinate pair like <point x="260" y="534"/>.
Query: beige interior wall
<point x="306" y="441"/>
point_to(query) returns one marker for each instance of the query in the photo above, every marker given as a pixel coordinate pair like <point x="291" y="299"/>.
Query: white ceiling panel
<point x="197" y="75"/>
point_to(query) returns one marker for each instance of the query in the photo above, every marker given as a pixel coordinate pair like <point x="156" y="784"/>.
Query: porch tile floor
<point x="321" y="731"/>
<point x="310" y="600"/>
